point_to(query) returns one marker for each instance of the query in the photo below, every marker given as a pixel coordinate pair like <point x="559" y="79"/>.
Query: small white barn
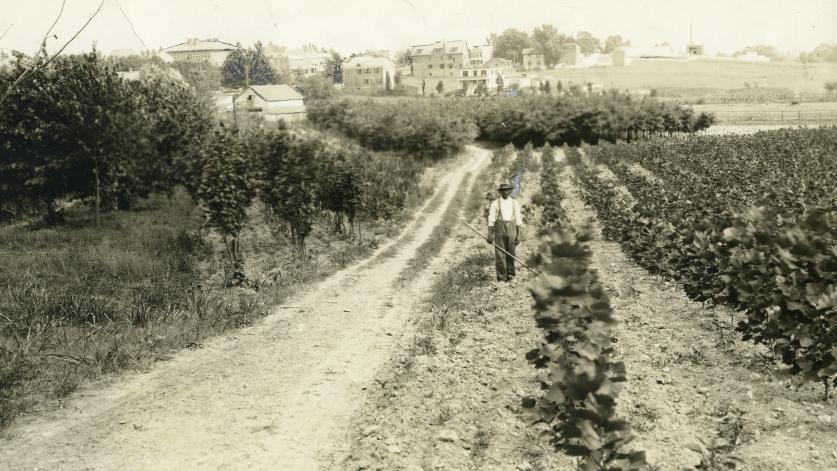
<point x="275" y="102"/>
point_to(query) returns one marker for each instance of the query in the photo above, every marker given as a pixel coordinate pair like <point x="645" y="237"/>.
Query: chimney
<point x="192" y="41"/>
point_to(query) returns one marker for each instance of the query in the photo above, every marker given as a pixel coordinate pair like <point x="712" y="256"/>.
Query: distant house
<point x="505" y="65"/>
<point x="193" y="50"/>
<point x="619" y="58"/>
<point x="274" y="102"/>
<point x="299" y="62"/>
<point x="532" y="60"/>
<point x="368" y="73"/>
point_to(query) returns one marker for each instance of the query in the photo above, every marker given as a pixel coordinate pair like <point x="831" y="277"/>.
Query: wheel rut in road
<point x="277" y="395"/>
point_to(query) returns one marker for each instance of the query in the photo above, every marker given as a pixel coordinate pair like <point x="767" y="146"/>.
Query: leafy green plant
<point x="584" y="381"/>
<point x="724" y="217"/>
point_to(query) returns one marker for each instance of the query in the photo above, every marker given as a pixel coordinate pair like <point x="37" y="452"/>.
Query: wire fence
<point x="779" y="116"/>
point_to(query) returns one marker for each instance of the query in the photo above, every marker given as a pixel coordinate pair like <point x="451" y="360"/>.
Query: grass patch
<point x="440" y="234"/>
<point x="79" y="302"/>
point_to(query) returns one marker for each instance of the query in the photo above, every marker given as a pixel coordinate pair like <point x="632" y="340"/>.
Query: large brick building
<point x="446" y="61"/>
<point x="194" y="50"/>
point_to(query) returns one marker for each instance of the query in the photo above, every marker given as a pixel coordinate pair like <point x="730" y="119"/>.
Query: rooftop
<point x="368" y="61"/>
<point x="276" y="92"/>
<point x="195" y="45"/>
<point x="449" y="47"/>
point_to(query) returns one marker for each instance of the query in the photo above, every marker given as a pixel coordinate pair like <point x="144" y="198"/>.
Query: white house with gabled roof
<point x="368" y="73"/>
<point x="273" y="101"/>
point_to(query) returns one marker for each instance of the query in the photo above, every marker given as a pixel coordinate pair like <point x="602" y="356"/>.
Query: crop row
<point x="584" y="381"/>
<point x="707" y="220"/>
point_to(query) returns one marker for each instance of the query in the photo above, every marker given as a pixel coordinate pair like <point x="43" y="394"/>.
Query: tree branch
<point x="5" y="32"/>
<point x="35" y="66"/>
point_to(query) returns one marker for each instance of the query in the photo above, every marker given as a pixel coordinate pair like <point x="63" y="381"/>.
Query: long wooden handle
<point x="501" y="249"/>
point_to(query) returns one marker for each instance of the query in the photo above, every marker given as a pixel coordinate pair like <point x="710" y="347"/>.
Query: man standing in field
<point x="504" y="226"/>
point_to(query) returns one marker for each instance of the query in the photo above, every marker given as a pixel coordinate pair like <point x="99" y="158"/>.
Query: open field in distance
<point x="710" y="74"/>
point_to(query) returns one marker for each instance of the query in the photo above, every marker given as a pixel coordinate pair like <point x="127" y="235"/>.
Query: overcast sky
<point x="356" y="25"/>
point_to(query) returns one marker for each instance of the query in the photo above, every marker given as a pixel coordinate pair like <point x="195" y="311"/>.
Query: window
<point x="378" y="70"/>
<point x="429" y="66"/>
<point x="366" y="81"/>
<point x="450" y="66"/>
<point x="464" y="73"/>
<point x="483" y="72"/>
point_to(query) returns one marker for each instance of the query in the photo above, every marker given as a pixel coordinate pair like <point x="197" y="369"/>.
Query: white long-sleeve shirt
<point x="507" y="209"/>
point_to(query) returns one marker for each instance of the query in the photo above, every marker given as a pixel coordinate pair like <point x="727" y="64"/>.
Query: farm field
<point x="332" y="312"/>
<point x="700" y="75"/>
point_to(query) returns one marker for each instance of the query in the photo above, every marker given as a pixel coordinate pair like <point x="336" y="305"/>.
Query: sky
<point x="357" y="25"/>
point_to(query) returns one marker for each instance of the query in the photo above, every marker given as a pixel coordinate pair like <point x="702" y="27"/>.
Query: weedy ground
<point x="80" y="302"/>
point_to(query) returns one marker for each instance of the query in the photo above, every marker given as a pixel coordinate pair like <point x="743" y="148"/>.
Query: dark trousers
<point x="504" y="234"/>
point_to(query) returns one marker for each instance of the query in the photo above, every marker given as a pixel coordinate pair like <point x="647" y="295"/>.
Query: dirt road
<point x="277" y="395"/>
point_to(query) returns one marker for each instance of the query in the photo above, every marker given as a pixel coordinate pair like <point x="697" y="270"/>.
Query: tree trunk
<point x="98" y="195"/>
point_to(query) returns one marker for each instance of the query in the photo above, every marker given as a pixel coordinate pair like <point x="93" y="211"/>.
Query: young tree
<point x="245" y="67"/>
<point x="500" y="84"/>
<point x="440" y="87"/>
<point x="547" y="88"/>
<point x="226" y="189"/>
<point x="388" y="82"/>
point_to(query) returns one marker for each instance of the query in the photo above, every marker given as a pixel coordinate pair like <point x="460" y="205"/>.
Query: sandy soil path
<point x="277" y="395"/>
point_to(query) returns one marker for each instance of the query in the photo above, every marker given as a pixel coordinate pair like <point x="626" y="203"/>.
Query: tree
<point x="613" y="43"/>
<point x="547" y="88"/>
<point x="388" y="82"/>
<point x="760" y="49"/>
<point x="500" y="84"/>
<point x="226" y="189"/>
<point x="334" y="67"/>
<point x="510" y="44"/>
<point x="559" y="87"/>
<point x="75" y="146"/>
<point x="204" y="76"/>
<point x="316" y="87"/>
<point x="587" y="43"/>
<point x="549" y="42"/>
<point x="440" y="87"/>
<point x="42" y="59"/>
<point x="245" y="67"/>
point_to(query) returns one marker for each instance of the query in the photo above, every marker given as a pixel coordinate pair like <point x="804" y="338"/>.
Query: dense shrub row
<point x="576" y="119"/>
<point x="725" y="217"/>
<point x="430" y="129"/>
<point x="442" y="126"/>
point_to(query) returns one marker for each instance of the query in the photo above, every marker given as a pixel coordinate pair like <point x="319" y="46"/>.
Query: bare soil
<point x="277" y="395"/>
